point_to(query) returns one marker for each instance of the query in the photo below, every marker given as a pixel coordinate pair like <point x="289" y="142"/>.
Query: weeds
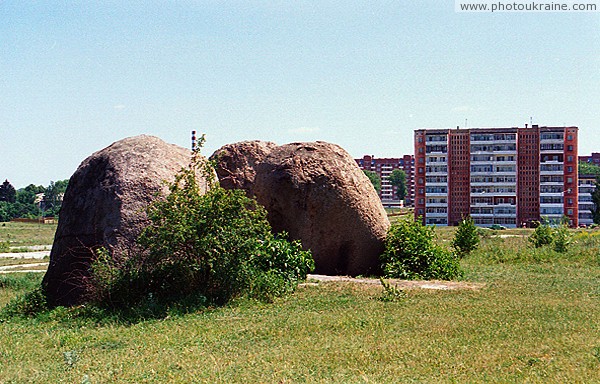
<point x="596" y="353"/>
<point x="4" y="246"/>
<point x="29" y="304"/>
<point x="391" y="293"/>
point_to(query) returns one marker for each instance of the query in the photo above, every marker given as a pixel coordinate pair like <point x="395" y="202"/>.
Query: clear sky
<point x="77" y="76"/>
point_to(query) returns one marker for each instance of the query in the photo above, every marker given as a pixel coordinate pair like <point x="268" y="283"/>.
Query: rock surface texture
<point x="236" y="163"/>
<point x="316" y="193"/>
<point x="104" y="206"/>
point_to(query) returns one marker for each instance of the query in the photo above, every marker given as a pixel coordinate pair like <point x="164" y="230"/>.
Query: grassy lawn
<point x="535" y="320"/>
<point x="24" y="234"/>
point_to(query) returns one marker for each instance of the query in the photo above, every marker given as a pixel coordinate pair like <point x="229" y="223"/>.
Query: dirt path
<point x="25" y="255"/>
<point x="23" y="268"/>
<point x="402" y="284"/>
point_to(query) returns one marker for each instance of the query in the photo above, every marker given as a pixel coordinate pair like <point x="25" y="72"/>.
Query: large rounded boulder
<point x="105" y="206"/>
<point x="236" y="163"/>
<point x="316" y="193"/>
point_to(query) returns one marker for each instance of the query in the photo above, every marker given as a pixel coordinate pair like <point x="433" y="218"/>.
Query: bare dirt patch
<point x="402" y="284"/>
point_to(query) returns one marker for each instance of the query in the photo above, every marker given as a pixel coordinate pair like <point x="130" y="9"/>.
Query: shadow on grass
<point x="31" y="304"/>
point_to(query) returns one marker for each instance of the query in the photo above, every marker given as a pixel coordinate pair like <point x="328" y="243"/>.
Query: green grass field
<point x="25" y="234"/>
<point x="534" y="320"/>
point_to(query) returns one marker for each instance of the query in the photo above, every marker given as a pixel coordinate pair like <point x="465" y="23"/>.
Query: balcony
<point x="436" y="194"/>
<point x="436" y="214"/>
<point x="551" y="194"/>
<point x="436" y="204"/>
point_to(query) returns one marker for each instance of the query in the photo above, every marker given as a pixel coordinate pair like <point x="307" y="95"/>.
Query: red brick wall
<point x="528" y="175"/>
<point x="571" y="193"/>
<point x="459" y="175"/>
<point x="419" y="175"/>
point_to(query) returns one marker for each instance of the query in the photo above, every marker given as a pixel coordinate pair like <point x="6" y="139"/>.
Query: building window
<point x="569" y="211"/>
<point x="569" y="148"/>
<point x="569" y="169"/>
<point x="570" y="159"/>
<point x="570" y="137"/>
<point x="569" y="179"/>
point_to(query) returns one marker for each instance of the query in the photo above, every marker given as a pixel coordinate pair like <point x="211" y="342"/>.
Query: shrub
<point x="201" y="249"/>
<point x="542" y="235"/>
<point x="562" y="238"/>
<point x="466" y="238"/>
<point x="410" y="253"/>
<point x="29" y="304"/>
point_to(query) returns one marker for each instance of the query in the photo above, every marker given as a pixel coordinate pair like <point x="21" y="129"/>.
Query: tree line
<point x="31" y="202"/>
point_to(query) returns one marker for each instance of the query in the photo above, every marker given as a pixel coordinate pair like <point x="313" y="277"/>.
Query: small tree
<point x="398" y="179"/>
<point x="375" y="179"/>
<point x="466" y="238"/>
<point x="5" y="211"/>
<point x="7" y="192"/>
<point x="53" y="197"/>
<point x="562" y="238"/>
<point x="542" y="235"/>
<point x="410" y="253"/>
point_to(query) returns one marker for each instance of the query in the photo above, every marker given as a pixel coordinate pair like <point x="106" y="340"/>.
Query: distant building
<point x="594" y="158"/>
<point x="587" y="185"/>
<point x="384" y="167"/>
<point x="504" y="176"/>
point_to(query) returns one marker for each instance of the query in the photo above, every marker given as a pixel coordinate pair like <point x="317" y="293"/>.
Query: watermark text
<point x="526" y="6"/>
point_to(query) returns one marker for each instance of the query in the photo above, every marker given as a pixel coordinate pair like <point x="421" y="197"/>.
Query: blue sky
<point x="77" y="76"/>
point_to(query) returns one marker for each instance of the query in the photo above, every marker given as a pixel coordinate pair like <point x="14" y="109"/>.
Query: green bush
<point x="29" y="304"/>
<point x="203" y="249"/>
<point x="466" y="238"/>
<point x="562" y="238"/>
<point x="542" y="235"/>
<point x="410" y="253"/>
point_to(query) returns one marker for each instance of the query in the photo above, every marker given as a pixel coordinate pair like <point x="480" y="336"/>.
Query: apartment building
<point x="384" y="167"/>
<point x="504" y="176"/>
<point x="594" y="158"/>
<point x="587" y="185"/>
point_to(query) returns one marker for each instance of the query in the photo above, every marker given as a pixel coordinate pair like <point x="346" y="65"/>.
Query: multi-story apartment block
<point x="587" y="185"/>
<point x="384" y="167"/>
<point x="594" y="158"/>
<point x="504" y="176"/>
